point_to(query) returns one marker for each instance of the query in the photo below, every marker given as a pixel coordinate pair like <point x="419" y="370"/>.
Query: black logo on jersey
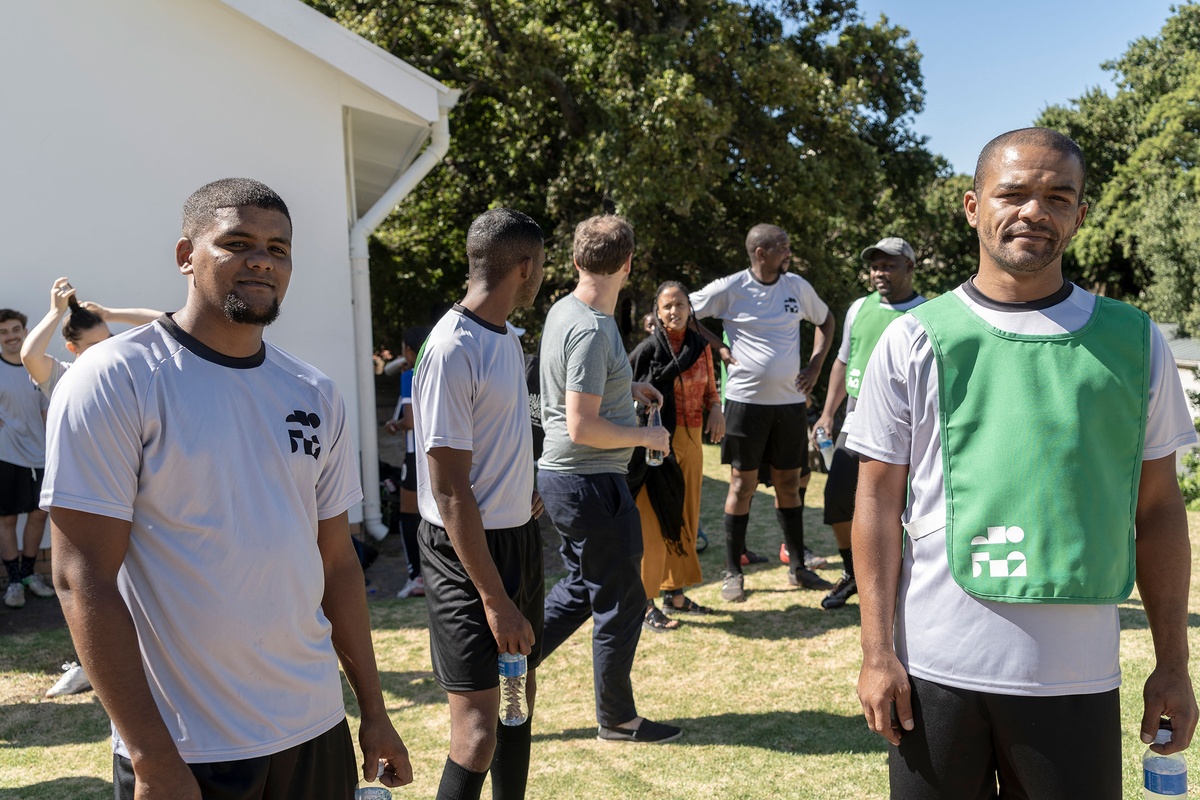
<point x="791" y="305"/>
<point x="312" y="445"/>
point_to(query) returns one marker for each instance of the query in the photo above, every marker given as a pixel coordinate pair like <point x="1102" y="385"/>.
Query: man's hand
<point x="169" y="780"/>
<point x="392" y="426"/>
<point x="513" y="632"/>
<point x="883" y="682"/>
<point x="727" y="356"/>
<point x="716" y="424"/>
<point x="646" y="394"/>
<point x="825" y="422"/>
<point x="382" y="747"/>
<point x="536" y="506"/>
<point x="1169" y="693"/>
<point x="656" y="438"/>
<point x="807" y="379"/>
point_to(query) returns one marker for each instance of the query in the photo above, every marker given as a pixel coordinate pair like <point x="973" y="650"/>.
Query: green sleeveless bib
<point x="869" y="323"/>
<point x="1042" y="441"/>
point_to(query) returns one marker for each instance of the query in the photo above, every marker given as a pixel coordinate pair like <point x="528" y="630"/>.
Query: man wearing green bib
<point x="1018" y="438"/>
<point x="889" y="264"/>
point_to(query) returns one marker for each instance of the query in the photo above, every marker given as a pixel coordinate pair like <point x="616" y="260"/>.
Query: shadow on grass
<point x="76" y="788"/>
<point x="38" y="724"/>
<point x="1133" y="616"/>
<point x="807" y="732"/>
<point x="795" y="622"/>
<point x="418" y="687"/>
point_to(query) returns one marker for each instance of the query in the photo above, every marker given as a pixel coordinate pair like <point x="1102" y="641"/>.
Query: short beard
<point x="236" y="310"/>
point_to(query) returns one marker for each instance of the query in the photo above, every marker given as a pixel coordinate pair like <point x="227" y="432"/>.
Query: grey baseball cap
<point x="893" y="246"/>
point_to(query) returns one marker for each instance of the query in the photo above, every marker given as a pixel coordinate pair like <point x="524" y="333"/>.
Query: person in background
<point x="676" y="360"/>
<point x="86" y="324"/>
<point x="402" y="420"/>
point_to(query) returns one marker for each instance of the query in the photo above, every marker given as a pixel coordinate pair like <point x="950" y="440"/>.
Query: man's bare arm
<point x="822" y="339"/>
<point x="586" y="426"/>
<point x="833" y="397"/>
<point x="88" y="552"/>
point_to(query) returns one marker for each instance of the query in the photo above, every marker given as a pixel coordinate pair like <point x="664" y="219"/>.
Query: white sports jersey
<point x="943" y="634"/>
<point x="224" y="467"/>
<point x="23" y="432"/>
<point x="469" y="393"/>
<point x="763" y="324"/>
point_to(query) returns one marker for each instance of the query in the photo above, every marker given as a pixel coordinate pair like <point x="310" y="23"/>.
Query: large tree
<point x="693" y="118"/>
<point x="1142" y="241"/>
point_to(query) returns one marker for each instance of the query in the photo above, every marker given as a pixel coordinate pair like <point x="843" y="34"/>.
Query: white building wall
<point x="112" y="113"/>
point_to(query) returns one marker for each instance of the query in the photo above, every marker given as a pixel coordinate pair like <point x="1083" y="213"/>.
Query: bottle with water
<point x="825" y="445"/>
<point x="1164" y="776"/>
<point x="654" y="458"/>
<point x="368" y="790"/>
<point x="514" y="705"/>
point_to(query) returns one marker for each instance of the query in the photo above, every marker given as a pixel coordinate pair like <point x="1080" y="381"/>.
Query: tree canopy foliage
<point x="1142" y="240"/>
<point x="695" y="119"/>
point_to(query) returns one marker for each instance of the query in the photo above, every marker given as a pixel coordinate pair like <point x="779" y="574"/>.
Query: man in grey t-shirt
<point x="591" y="431"/>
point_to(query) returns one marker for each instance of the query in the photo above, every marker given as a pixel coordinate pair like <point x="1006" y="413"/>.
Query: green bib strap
<point x="869" y="324"/>
<point x="1042" y="440"/>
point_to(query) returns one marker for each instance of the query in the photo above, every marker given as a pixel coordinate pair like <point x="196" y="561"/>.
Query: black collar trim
<point x="471" y="315"/>
<point x="1027" y="305"/>
<point x="199" y="348"/>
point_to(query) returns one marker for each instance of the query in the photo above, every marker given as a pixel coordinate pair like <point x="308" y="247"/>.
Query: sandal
<point x="689" y="606"/>
<point x="657" y="621"/>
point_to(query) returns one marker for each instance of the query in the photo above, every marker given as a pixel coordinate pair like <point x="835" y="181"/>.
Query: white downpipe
<point x="360" y="292"/>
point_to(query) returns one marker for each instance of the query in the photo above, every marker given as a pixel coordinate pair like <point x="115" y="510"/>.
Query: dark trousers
<point x="602" y="553"/>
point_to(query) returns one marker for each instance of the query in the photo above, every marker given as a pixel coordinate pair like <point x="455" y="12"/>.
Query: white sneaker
<point x="73" y="681"/>
<point x="37" y="584"/>
<point x="414" y="588"/>
<point x="14" y="595"/>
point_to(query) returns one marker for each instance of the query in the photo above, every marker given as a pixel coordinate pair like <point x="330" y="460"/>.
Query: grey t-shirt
<point x="582" y="352"/>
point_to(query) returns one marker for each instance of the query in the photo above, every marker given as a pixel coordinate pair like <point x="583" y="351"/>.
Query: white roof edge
<point x="347" y="52"/>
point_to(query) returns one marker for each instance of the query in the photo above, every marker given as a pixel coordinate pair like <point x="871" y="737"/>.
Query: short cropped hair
<point x="8" y="314"/>
<point x="764" y="236"/>
<point x="200" y="210"/>
<point x="497" y="241"/>
<point x="603" y="244"/>
<point x="1045" y="137"/>
<point x="413" y="338"/>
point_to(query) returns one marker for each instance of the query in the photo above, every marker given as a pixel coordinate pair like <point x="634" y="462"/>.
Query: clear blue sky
<point x="990" y="67"/>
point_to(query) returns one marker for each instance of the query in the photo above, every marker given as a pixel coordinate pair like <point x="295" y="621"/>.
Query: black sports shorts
<point x="461" y="644"/>
<point x="765" y="436"/>
<point x="20" y="488"/>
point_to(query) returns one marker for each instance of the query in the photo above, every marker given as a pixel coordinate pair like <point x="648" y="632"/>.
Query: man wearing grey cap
<point x="889" y="265"/>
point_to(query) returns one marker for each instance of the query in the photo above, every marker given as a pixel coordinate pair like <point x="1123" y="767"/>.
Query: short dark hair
<point x="200" y="210"/>
<point x="603" y="244"/>
<point x="497" y="241"/>
<point x="765" y="236"/>
<point x="79" y="320"/>
<point x="1046" y="137"/>
<point x="8" y="314"/>
<point x="414" y="337"/>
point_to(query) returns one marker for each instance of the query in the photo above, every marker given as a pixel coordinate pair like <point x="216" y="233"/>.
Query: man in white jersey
<point x="198" y="484"/>
<point x="766" y="421"/>
<point x="889" y="264"/>
<point x="22" y="463"/>
<point x="479" y="538"/>
<point x="1037" y="425"/>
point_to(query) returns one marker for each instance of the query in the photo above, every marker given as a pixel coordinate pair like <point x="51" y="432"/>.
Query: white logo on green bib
<point x="1010" y="566"/>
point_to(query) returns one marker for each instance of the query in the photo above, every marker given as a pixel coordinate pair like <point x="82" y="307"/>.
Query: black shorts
<point x="461" y="644"/>
<point x="965" y="743"/>
<point x="765" y="436"/>
<point x="408" y="473"/>
<point x="20" y="488"/>
<point x="842" y="484"/>
<point x="323" y="768"/>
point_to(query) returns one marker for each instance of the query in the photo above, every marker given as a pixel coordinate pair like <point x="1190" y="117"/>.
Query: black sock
<point x="510" y="763"/>
<point x="847" y="561"/>
<point x="791" y="520"/>
<point x="412" y="551"/>
<point x="27" y="565"/>
<point x="13" y="568"/>
<point x="735" y="540"/>
<point x="460" y="783"/>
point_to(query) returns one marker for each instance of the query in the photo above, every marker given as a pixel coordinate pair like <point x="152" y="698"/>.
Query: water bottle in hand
<point x="368" y="790"/>
<point x="1164" y="776"/>
<point x="514" y="705"/>
<point x="654" y="458"/>
<point x="825" y="445"/>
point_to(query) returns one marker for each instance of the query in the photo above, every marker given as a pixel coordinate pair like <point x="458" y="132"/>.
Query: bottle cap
<point x="1163" y="736"/>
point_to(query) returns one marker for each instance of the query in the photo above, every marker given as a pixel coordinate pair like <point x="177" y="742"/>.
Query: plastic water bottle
<point x="368" y="790"/>
<point x="514" y="706"/>
<point x="1164" y="776"/>
<point x="825" y="445"/>
<point x="654" y="457"/>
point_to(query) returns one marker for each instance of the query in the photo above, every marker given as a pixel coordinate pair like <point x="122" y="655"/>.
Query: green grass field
<point x="764" y="691"/>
